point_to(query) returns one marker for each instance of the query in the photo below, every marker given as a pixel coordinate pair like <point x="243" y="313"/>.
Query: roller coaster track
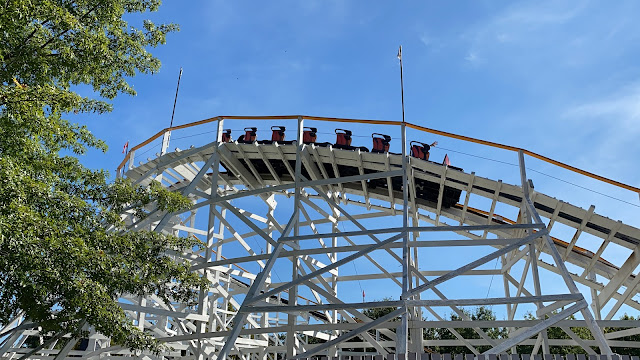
<point x="291" y="217"/>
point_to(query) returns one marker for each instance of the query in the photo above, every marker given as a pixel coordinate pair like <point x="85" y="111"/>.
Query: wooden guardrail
<point x="387" y="122"/>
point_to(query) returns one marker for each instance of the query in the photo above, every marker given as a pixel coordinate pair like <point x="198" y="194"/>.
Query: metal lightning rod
<point x="401" y="81"/>
<point x="176" y="98"/>
<point x="165" y="141"/>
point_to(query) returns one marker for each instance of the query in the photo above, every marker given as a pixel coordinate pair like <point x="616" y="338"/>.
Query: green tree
<point x="636" y="338"/>
<point x="376" y="313"/>
<point x="585" y="334"/>
<point x="372" y="313"/>
<point x="66" y="256"/>
<point x="558" y="334"/>
<point x="481" y="313"/>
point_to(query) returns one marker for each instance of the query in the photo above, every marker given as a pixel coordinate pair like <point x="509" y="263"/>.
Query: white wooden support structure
<point x="284" y="226"/>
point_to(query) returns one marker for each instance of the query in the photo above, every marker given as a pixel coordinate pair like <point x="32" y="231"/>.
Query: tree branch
<point x="24" y="42"/>
<point x="13" y="54"/>
<point x="66" y="31"/>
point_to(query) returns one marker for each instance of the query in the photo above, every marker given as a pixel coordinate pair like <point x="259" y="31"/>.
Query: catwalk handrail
<point x="386" y="122"/>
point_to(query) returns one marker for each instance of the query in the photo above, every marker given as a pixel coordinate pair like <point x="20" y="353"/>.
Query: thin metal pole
<point x="401" y="81"/>
<point x="167" y="135"/>
<point x="175" y="99"/>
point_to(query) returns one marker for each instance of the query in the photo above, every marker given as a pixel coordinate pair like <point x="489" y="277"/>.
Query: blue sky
<point x="560" y="78"/>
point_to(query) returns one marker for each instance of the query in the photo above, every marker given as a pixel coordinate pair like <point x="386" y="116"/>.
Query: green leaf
<point x="66" y="255"/>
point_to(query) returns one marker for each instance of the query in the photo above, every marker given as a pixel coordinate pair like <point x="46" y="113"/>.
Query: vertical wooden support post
<point x="223" y="213"/>
<point x="220" y="125"/>
<point x="264" y="320"/>
<point x="165" y="142"/>
<point x="293" y="292"/>
<point x="203" y="305"/>
<point x="595" y="299"/>
<point x="533" y="255"/>
<point x="403" y="329"/>
<point x="132" y="158"/>
<point x="333" y="351"/>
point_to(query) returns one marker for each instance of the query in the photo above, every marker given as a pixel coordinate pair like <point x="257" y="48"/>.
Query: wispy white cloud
<point x="334" y="8"/>
<point x="503" y="37"/>
<point x="426" y="39"/>
<point x="473" y="58"/>
<point x="622" y="108"/>
<point x="541" y="13"/>
<point x="432" y="43"/>
<point x="536" y="28"/>
<point x="614" y="122"/>
<point x="566" y="69"/>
